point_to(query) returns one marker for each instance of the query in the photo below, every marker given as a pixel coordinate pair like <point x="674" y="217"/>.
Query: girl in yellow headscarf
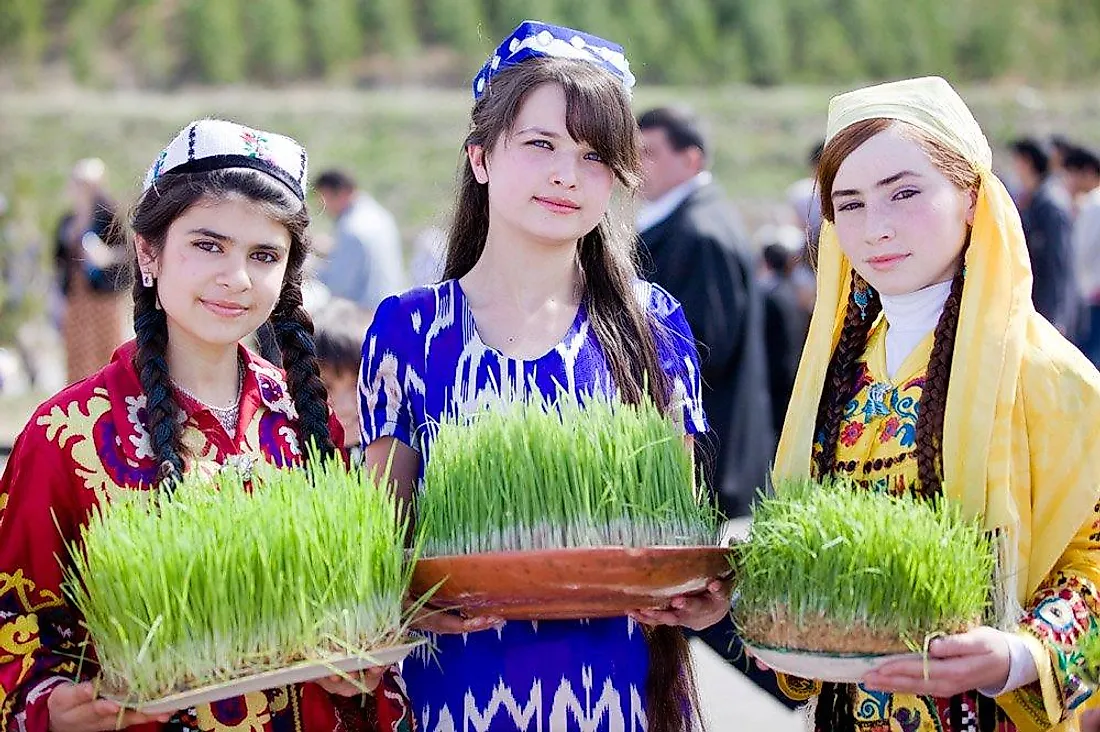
<point x="927" y="367"/>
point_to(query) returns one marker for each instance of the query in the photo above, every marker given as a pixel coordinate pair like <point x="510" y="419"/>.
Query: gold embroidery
<point x="798" y="689"/>
<point x="23" y="587"/>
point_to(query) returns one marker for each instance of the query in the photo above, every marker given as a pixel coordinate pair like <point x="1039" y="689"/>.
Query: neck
<point x="909" y="318"/>
<point x="525" y="273"/>
<point x="208" y="371"/>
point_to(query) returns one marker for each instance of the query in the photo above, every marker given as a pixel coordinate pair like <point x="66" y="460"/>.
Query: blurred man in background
<point x="1081" y="170"/>
<point x="364" y="264"/>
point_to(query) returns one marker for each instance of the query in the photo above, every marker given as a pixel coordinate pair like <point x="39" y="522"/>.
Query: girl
<point x="539" y="293"/>
<point x="220" y="237"/>
<point x="928" y="369"/>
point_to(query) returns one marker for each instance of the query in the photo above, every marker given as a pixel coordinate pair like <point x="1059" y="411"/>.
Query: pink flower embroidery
<point x="851" y="433"/>
<point x="890" y="430"/>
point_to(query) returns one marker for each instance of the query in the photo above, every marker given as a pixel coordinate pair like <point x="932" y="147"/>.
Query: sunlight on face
<point x="899" y="220"/>
<point x="544" y="186"/>
<point x="221" y="271"/>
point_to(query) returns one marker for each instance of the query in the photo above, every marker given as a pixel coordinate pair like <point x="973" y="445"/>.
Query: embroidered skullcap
<point x="214" y="144"/>
<point x="532" y="39"/>
<point x="928" y="103"/>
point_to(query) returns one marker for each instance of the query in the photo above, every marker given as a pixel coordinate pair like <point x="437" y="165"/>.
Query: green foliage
<point x="459" y="24"/>
<point x="156" y="57"/>
<point x="855" y="558"/>
<point x="215" y="39"/>
<point x="23" y="33"/>
<point x="87" y="25"/>
<point x="335" y="34"/>
<point x="277" y="51"/>
<point x="224" y="578"/>
<point x="524" y="476"/>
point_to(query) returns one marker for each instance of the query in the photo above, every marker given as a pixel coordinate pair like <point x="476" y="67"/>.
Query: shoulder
<point x="655" y="300"/>
<point x="415" y="308"/>
<point x="1053" y="371"/>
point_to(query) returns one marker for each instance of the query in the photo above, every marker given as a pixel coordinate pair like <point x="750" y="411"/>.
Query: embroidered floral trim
<point x="273" y="390"/>
<point x="135" y="413"/>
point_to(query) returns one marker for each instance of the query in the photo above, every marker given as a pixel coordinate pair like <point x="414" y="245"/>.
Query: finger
<point x="657" y="617"/>
<point x="965" y="644"/>
<point x="917" y="668"/>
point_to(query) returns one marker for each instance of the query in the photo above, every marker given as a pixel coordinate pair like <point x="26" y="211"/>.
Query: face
<point x="220" y="272"/>
<point x="343" y="395"/>
<point x="899" y="220"/>
<point x="543" y="185"/>
<point x="334" y="200"/>
<point x="1080" y="182"/>
<point x="664" y="167"/>
<point x="1025" y="173"/>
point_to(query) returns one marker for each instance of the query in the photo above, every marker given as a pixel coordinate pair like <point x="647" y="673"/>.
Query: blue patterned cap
<point x="532" y="39"/>
<point x="212" y="144"/>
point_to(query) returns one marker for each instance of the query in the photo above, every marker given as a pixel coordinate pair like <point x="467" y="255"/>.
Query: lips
<point x="224" y="308"/>
<point x="558" y="205"/>
<point x="886" y="261"/>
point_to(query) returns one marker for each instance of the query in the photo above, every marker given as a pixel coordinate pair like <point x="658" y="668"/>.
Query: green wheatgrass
<point x="1086" y="655"/>
<point x="855" y="561"/>
<point x="224" y="578"/>
<point x="529" y="475"/>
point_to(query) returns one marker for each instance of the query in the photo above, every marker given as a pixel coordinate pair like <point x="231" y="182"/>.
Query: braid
<point x="294" y="332"/>
<point x="151" y="363"/>
<point x="834" y="711"/>
<point x="933" y="399"/>
<point x="841" y="374"/>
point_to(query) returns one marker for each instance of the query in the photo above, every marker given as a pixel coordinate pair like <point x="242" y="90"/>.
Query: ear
<point x="696" y="159"/>
<point x="146" y="256"/>
<point x="972" y="209"/>
<point x="478" y="163"/>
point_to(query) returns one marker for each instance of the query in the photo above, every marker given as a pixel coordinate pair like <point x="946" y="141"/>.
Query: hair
<point x="158" y="207"/>
<point x="334" y="180"/>
<point x="1036" y="153"/>
<point x="834" y="709"/>
<point x="339" y="331"/>
<point x="777" y="258"/>
<point x="814" y="158"/>
<point x="1080" y="159"/>
<point x="682" y="126"/>
<point x="598" y="113"/>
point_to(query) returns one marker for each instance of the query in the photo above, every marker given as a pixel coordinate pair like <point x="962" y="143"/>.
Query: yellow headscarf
<point x="1021" y="436"/>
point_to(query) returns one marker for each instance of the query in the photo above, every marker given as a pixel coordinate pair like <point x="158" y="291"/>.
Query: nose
<point x="565" y="171"/>
<point x="234" y="275"/>
<point x="878" y="226"/>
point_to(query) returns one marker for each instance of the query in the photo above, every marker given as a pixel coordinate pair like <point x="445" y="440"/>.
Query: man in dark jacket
<point x="693" y="246"/>
<point x="1045" y="215"/>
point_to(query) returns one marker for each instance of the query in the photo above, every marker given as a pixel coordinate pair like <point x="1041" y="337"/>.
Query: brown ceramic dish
<point x="561" y="584"/>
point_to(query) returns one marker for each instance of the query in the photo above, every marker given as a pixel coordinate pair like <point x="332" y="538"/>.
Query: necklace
<point x="226" y="416"/>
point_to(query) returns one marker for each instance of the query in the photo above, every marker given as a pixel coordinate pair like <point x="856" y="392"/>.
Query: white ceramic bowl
<point x="846" y="668"/>
<point x="296" y="674"/>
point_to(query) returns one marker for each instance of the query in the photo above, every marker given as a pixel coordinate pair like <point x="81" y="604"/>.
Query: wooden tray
<point x="568" y="584"/>
<point x="297" y="674"/>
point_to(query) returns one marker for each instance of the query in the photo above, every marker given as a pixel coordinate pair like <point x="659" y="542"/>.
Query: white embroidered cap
<point x="213" y="144"/>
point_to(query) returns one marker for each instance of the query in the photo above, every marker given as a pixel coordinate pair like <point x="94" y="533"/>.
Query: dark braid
<point x="835" y="712"/>
<point x="988" y="714"/>
<point x="151" y="363"/>
<point x="955" y="713"/>
<point x="294" y="331"/>
<point x="840" y="377"/>
<point x="933" y="399"/>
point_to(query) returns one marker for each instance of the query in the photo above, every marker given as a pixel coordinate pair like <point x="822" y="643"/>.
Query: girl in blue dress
<point x="540" y="293"/>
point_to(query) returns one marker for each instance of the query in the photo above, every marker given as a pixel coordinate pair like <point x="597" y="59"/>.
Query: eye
<point x="594" y="157"/>
<point x="544" y="144"/>
<point x="850" y="206"/>
<point x="905" y="193"/>
<point x="265" y="256"/>
<point x="208" y="246"/>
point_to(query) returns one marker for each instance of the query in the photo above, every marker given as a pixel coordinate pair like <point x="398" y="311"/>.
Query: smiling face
<point x="901" y="222"/>
<point x="544" y="186"/>
<point x="220" y="272"/>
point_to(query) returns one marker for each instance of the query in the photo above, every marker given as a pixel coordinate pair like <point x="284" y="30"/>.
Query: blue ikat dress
<point x="423" y="359"/>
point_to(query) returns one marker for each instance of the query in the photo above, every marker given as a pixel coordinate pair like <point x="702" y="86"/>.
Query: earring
<point x="862" y="296"/>
<point x="146" y="279"/>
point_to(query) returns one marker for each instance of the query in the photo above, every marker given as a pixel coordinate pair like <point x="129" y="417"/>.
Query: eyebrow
<point x="227" y="239"/>
<point x="889" y="180"/>
<point x="539" y="131"/>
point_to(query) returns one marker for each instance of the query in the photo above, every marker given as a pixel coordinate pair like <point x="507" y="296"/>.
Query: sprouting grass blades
<point x="237" y="574"/>
<point x="529" y="475"/>
<point x="835" y="568"/>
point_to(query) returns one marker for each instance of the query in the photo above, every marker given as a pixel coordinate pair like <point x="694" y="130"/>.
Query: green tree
<point x="215" y="42"/>
<point x="155" y="56"/>
<point x="766" y="41"/>
<point x="277" y="49"/>
<point x="23" y="31"/>
<point x="88" y="22"/>
<point x="335" y="34"/>
<point x="394" y="25"/>
<point x="460" y="25"/>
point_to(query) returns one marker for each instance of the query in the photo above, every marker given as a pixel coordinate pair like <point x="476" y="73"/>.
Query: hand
<point x="978" y="659"/>
<point x="439" y="620"/>
<point x="1090" y="721"/>
<point x="355" y="683"/>
<point x="75" y="708"/>
<point x="696" y="611"/>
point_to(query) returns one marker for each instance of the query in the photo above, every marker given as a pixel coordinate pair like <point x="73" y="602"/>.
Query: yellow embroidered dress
<point x="876" y="449"/>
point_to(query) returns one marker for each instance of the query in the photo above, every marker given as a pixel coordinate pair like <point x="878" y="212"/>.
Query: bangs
<point x="609" y="128"/>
